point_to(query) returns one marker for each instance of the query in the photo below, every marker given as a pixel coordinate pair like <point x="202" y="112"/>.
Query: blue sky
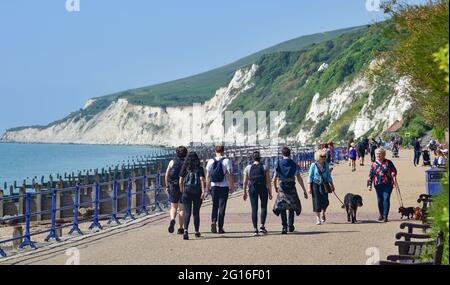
<point x="52" y="61"/>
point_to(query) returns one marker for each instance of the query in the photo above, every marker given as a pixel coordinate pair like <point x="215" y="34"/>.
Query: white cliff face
<point x="332" y="106"/>
<point x="384" y="115"/>
<point x="125" y="123"/>
<point x="371" y="116"/>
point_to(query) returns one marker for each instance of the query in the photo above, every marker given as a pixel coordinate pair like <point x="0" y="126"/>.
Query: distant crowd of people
<point x="440" y="152"/>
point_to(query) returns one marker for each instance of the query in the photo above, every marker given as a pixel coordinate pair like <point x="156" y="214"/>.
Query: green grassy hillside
<point x="201" y="87"/>
<point x="288" y="81"/>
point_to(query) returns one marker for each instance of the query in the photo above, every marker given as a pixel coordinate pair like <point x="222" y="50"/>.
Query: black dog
<point x="407" y="212"/>
<point x="351" y="204"/>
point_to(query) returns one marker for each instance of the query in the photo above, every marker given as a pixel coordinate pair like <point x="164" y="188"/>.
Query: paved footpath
<point x="335" y="242"/>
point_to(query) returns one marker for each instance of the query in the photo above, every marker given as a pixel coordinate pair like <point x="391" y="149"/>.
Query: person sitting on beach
<point x="287" y="199"/>
<point x="173" y="188"/>
<point x="257" y="177"/>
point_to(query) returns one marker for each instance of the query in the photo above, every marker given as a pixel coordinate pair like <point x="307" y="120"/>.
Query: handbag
<point x="325" y="183"/>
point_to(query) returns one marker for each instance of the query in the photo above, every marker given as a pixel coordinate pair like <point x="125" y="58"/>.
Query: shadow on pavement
<point x="248" y="234"/>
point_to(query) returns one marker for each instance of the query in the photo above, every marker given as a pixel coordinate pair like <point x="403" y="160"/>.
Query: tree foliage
<point x="419" y="37"/>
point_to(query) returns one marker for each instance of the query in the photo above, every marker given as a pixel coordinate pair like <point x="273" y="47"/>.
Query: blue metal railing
<point x="303" y="159"/>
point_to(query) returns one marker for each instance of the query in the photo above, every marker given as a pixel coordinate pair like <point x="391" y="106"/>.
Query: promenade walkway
<point x="336" y="242"/>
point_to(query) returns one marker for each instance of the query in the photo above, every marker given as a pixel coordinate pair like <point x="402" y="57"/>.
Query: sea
<point x="20" y="162"/>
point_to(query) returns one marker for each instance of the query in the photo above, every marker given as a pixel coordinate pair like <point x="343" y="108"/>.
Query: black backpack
<point x="174" y="174"/>
<point x="217" y="174"/>
<point x="257" y="175"/>
<point x="192" y="183"/>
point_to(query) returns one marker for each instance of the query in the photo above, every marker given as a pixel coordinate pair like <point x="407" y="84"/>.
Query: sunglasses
<point x="323" y="156"/>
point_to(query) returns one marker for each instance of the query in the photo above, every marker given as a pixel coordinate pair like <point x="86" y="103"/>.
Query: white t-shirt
<point x="226" y="166"/>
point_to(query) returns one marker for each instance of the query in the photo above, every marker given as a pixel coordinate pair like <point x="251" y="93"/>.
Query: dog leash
<point x="399" y="194"/>
<point x="334" y="192"/>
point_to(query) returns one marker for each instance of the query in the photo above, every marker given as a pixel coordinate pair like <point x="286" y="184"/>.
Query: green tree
<point x="418" y="32"/>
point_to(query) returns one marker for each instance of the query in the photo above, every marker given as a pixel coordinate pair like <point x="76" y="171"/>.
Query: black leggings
<point x="263" y="194"/>
<point x="287" y="220"/>
<point x="192" y="204"/>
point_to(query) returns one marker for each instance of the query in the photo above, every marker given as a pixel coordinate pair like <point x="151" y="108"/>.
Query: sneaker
<point x="263" y="230"/>
<point x="197" y="235"/>
<point x="291" y="229"/>
<point x="185" y="235"/>
<point x="284" y="231"/>
<point x="380" y="218"/>
<point x="214" y="228"/>
<point x="318" y="223"/>
<point x="221" y="231"/>
<point x="255" y="233"/>
<point x="386" y="219"/>
<point x="172" y="226"/>
<point x="180" y="231"/>
<point x="324" y="219"/>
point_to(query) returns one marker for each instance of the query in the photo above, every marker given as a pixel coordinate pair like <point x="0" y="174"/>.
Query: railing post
<point x="27" y="237"/>
<point x="95" y="223"/>
<point x="128" y="214"/>
<point x="143" y="210"/>
<point x="114" y="205"/>
<point x="157" y="190"/>
<point x="1" y="204"/>
<point x="53" y="234"/>
<point x="240" y="173"/>
<point x="76" y="206"/>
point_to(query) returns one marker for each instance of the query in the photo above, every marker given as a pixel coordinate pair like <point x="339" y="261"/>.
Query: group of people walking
<point x="188" y="184"/>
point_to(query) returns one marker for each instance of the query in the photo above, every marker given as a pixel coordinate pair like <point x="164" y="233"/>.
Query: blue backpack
<point x="217" y="174"/>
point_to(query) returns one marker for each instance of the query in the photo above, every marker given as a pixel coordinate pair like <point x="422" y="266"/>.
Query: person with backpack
<point x="320" y="185"/>
<point x="383" y="175"/>
<point x="173" y="188"/>
<point x="287" y="199"/>
<point x="192" y="186"/>
<point x="257" y="177"/>
<point x="220" y="183"/>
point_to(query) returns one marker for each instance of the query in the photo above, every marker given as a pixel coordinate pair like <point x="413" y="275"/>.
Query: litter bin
<point x="433" y="178"/>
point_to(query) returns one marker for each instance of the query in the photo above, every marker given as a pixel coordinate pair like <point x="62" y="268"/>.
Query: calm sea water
<point x="22" y="161"/>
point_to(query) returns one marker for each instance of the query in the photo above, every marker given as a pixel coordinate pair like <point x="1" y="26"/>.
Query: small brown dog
<point x="418" y="213"/>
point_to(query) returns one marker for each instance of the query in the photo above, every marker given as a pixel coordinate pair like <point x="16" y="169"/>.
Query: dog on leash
<point x="351" y="204"/>
<point x="407" y="212"/>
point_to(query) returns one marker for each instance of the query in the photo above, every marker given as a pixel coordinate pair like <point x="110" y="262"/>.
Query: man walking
<point x="417" y="151"/>
<point x="220" y="183"/>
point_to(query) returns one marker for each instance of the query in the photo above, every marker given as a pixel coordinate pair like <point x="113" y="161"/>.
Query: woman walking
<point x="287" y="198"/>
<point x="353" y="156"/>
<point x="192" y="186"/>
<point x="173" y="188"/>
<point x="383" y="175"/>
<point x="257" y="177"/>
<point x="320" y="184"/>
